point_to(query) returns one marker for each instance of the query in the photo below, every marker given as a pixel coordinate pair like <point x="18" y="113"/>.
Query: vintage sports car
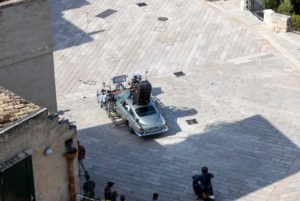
<point x="134" y="105"/>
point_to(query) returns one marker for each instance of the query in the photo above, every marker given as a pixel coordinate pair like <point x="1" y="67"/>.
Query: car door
<point x="123" y="112"/>
<point x="132" y="119"/>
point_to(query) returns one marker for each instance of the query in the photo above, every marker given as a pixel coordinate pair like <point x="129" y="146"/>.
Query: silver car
<point x="142" y="120"/>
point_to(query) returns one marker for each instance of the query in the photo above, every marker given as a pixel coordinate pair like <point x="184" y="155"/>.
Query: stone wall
<point x="26" y="58"/>
<point x="50" y="172"/>
<point x="277" y="22"/>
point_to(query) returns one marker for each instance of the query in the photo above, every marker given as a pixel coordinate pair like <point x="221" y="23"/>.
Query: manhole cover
<point x="106" y="13"/>
<point x="191" y="121"/>
<point x="141" y="4"/>
<point x="163" y="19"/>
<point x="179" y="74"/>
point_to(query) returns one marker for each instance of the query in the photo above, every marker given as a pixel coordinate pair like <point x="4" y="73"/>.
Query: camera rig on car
<point x="140" y="92"/>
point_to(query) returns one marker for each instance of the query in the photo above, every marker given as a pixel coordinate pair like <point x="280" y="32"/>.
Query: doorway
<point x="16" y="182"/>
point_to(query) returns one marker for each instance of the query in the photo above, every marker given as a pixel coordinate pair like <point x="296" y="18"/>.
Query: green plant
<point x="270" y="4"/>
<point x="296" y="4"/>
<point x="295" y="22"/>
<point x="285" y="7"/>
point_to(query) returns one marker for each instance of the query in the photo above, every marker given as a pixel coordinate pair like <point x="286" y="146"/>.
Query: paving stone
<point x="247" y="112"/>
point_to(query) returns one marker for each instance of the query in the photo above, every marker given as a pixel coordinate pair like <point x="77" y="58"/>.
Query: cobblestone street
<point x="243" y="93"/>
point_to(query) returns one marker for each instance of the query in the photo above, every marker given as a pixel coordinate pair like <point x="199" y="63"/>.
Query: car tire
<point x="130" y="129"/>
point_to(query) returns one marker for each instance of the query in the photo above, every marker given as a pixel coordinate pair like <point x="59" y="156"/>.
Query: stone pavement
<point x="288" y="44"/>
<point x="243" y="92"/>
<point x="133" y="39"/>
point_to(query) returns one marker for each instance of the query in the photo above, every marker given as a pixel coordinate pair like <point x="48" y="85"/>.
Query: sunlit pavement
<point x="243" y="93"/>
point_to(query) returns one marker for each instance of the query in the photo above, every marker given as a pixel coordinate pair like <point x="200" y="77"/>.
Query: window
<point x="145" y="111"/>
<point x="69" y="145"/>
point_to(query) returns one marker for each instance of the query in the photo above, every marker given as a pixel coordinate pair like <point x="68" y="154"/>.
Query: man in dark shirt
<point x="154" y="196"/>
<point x="205" y="179"/>
<point x="205" y="182"/>
<point x="81" y="156"/>
<point x="89" y="187"/>
<point x="108" y="190"/>
<point x="122" y="198"/>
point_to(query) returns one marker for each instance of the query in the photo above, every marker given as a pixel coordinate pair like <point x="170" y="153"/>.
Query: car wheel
<point x="130" y="129"/>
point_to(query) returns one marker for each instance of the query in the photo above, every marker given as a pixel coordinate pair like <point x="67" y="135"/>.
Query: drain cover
<point x="106" y="13"/>
<point x="163" y="19"/>
<point x="141" y="4"/>
<point x="179" y="74"/>
<point x="191" y="121"/>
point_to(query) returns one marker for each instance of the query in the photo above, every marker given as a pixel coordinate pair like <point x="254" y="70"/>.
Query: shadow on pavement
<point x="65" y="34"/>
<point x="245" y="156"/>
<point x="172" y="114"/>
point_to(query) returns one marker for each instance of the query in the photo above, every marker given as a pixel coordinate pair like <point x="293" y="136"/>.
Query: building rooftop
<point x="10" y="3"/>
<point x="13" y="108"/>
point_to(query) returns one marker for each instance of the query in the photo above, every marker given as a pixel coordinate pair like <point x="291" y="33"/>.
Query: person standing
<point x="154" y="196"/>
<point x="89" y="187"/>
<point x="81" y="157"/>
<point x="114" y="196"/>
<point x="122" y="198"/>
<point x="108" y="190"/>
<point x="205" y="187"/>
<point x="205" y="179"/>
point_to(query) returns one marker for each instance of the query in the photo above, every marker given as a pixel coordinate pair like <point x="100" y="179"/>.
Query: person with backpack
<point x="205" y="179"/>
<point x="204" y="188"/>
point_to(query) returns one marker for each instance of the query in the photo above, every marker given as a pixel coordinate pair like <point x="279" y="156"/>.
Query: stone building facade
<point x="26" y="56"/>
<point x="34" y="149"/>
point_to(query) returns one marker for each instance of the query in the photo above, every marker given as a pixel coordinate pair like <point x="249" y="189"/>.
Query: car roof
<point x="125" y="96"/>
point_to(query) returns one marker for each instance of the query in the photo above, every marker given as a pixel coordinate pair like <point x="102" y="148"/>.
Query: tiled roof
<point x="13" y="108"/>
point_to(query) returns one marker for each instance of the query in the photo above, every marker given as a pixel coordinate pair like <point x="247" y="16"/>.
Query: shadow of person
<point x="245" y="156"/>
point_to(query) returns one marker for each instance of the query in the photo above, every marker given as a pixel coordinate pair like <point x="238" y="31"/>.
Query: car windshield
<point x="145" y="111"/>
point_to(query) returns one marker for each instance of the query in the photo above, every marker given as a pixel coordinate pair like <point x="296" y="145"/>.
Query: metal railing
<point x="158" y="102"/>
<point x="256" y="9"/>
